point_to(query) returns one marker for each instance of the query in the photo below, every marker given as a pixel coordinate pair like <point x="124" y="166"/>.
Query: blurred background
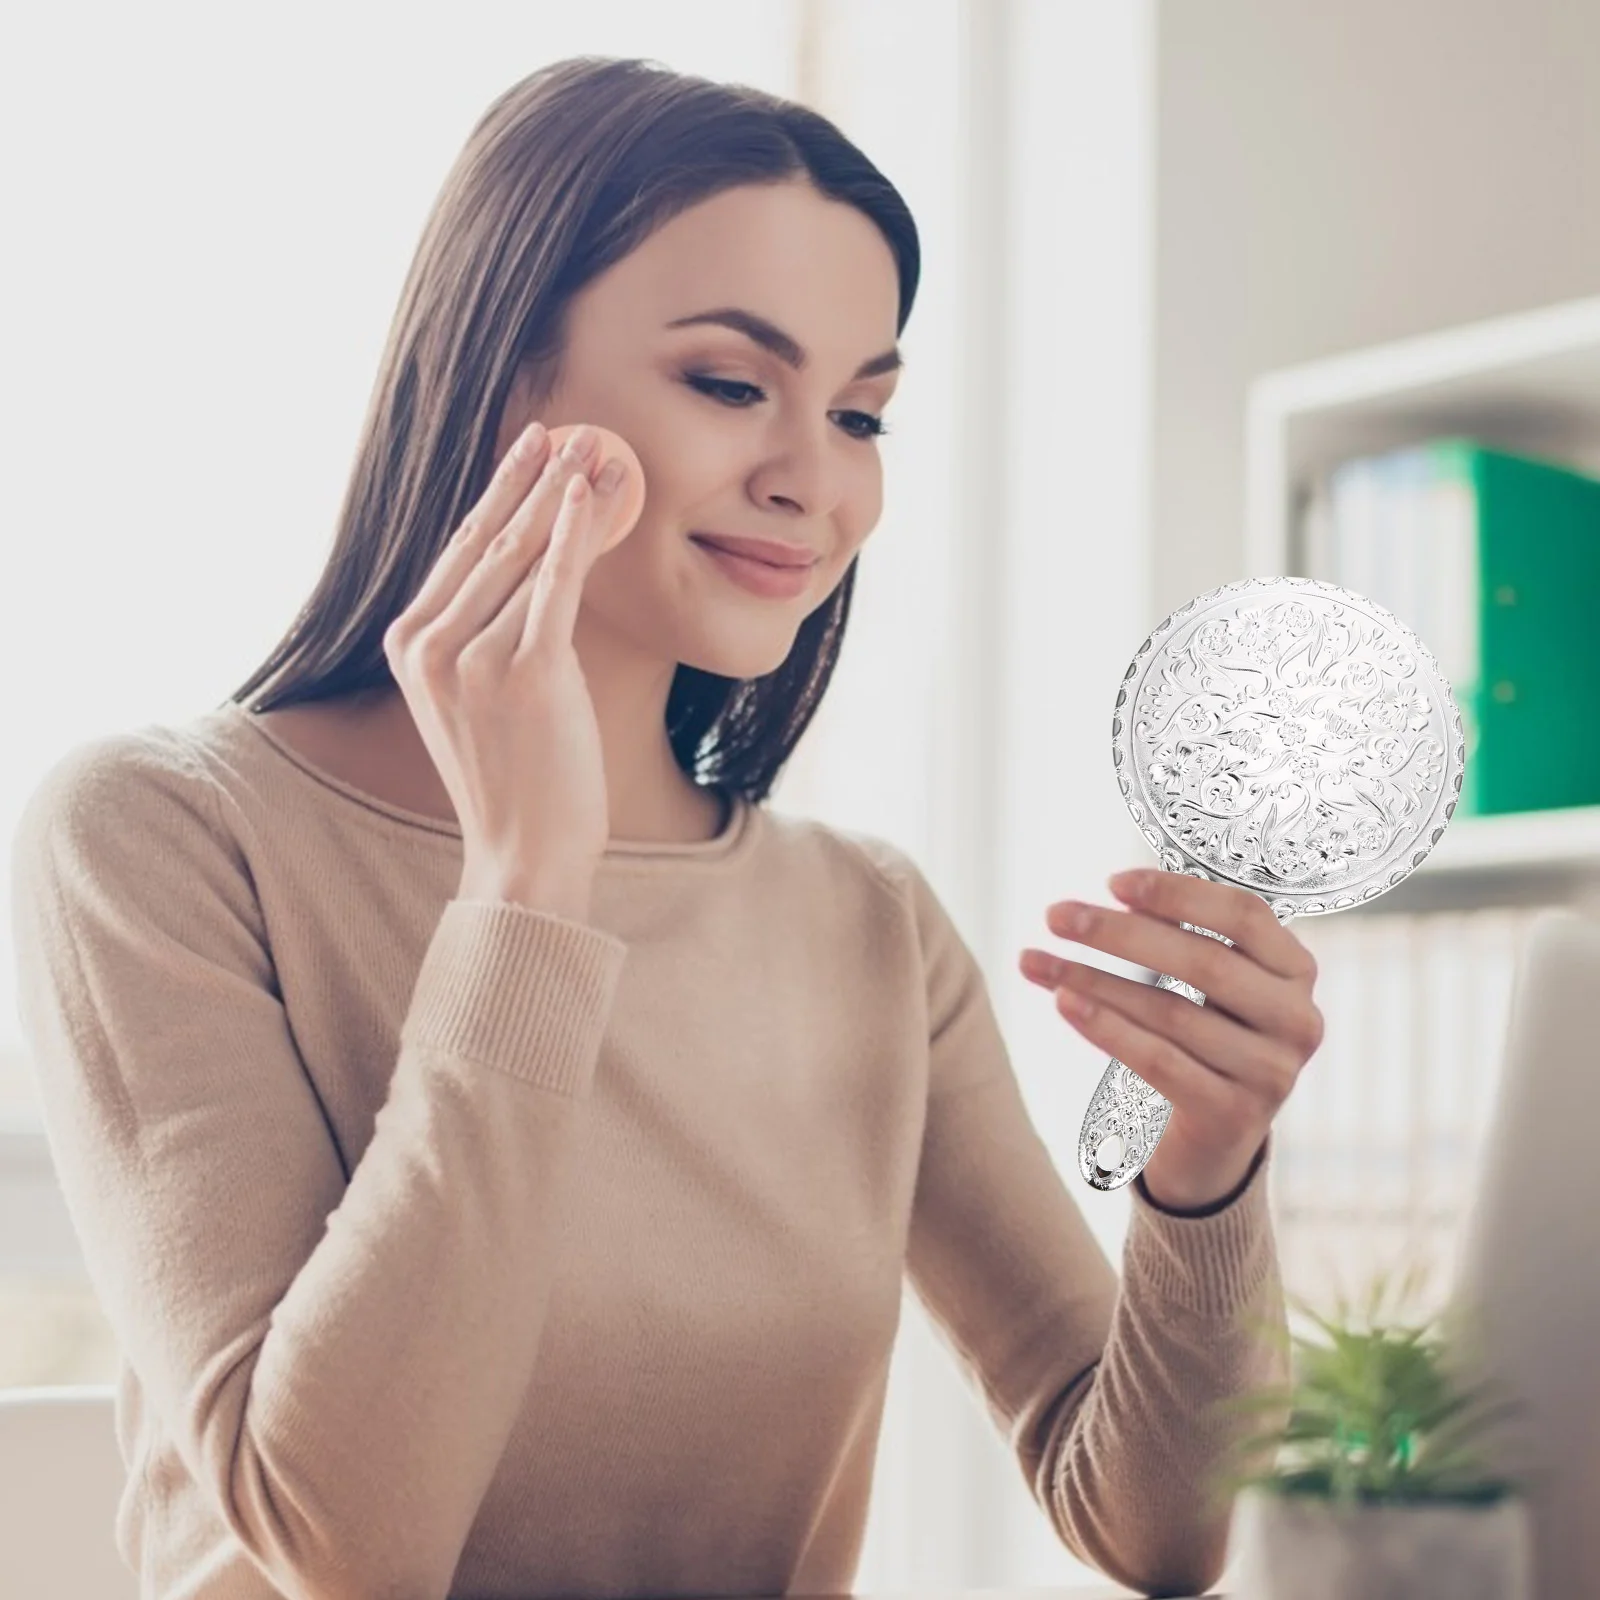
<point x="1212" y="289"/>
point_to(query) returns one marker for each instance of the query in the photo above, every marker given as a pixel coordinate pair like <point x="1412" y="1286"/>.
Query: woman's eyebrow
<point x="773" y="338"/>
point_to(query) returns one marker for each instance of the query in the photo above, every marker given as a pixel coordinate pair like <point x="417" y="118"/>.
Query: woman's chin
<point x="743" y="658"/>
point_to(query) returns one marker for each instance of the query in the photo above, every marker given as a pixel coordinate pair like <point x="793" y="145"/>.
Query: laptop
<point x="1528" y="1274"/>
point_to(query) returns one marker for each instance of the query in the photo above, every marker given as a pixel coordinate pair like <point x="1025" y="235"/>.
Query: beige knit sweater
<point x="456" y="1248"/>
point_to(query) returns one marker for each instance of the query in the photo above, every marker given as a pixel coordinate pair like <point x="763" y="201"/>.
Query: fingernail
<point x="610" y="476"/>
<point x="1129" y="885"/>
<point x="579" y="445"/>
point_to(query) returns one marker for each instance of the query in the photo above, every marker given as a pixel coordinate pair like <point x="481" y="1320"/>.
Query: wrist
<point x="1170" y="1186"/>
<point x="563" y="895"/>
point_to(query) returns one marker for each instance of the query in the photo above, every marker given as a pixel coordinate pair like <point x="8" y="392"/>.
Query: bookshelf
<point x="1528" y="382"/>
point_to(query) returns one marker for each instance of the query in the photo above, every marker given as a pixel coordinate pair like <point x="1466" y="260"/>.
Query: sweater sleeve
<point x="338" y="1355"/>
<point x="1101" y="1388"/>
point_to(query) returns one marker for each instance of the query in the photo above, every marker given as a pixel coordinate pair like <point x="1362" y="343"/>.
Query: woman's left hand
<point x="1227" y="1065"/>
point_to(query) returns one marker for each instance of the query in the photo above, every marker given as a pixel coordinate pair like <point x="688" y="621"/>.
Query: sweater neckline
<point x="737" y="825"/>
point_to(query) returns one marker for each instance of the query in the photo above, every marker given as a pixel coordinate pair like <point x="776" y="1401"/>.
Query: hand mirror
<point x="1287" y="736"/>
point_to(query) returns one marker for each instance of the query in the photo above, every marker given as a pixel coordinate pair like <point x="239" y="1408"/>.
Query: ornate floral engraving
<point x="1287" y="736"/>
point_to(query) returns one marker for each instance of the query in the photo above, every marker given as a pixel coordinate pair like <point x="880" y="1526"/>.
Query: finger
<point x="503" y="634"/>
<point x="511" y="627"/>
<point x="1259" y="1054"/>
<point x="519" y="469"/>
<point x="558" y="588"/>
<point x="1264" y="1065"/>
<point x="1226" y="977"/>
<point x="1224" y="908"/>
<point x="1167" y="1067"/>
<point x="522" y="543"/>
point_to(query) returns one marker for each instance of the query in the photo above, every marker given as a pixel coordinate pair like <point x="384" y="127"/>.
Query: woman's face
<point x="734" y="440"/>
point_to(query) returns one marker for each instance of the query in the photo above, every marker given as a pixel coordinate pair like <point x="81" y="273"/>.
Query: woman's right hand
<point x="485" y="660"/>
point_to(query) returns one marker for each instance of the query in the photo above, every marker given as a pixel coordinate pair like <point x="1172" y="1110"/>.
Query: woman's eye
<point x="719" y="388"/>
<point x="735" y="392"/>
<point x="875" y="427"/>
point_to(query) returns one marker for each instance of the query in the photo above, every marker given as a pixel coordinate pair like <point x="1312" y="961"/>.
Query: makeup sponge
<point x="628" y="500"/>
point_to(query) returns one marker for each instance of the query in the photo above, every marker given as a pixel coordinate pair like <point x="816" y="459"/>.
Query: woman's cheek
<point x="864" y="517"/>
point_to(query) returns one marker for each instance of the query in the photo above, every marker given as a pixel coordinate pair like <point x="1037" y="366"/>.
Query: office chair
<point x="61" y="1476"/>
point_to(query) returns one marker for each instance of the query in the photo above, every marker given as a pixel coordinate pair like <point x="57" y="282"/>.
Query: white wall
<point x="1331" y="175"/>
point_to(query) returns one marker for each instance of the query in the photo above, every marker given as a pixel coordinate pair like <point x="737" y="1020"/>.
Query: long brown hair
<point x="565" y="174"/>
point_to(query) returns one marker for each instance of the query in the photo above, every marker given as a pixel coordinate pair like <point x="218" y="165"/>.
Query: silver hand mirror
<point x="1287" y="736"/>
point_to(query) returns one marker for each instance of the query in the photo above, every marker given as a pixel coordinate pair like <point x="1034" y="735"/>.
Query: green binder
<point x="1494" y="559"/>
<point x="1530" y="715"/>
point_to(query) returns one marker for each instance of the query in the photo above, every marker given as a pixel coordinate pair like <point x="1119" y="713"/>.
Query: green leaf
<point x="1371" y="1411"/>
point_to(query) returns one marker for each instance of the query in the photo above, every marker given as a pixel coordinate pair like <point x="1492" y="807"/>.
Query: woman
<point x="497" y="1140"/>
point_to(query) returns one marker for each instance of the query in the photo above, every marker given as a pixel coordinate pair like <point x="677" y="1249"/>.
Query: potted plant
<point x="1372" y="1486"/>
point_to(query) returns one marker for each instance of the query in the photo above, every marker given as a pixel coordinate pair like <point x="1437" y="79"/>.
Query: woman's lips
<point x="759" y="577"/>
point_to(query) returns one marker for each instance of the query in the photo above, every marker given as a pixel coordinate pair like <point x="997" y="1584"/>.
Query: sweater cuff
<point x="524" y="991"/>
<point x="1211" y="1207"/>
<point x="1213" y="1263"/>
